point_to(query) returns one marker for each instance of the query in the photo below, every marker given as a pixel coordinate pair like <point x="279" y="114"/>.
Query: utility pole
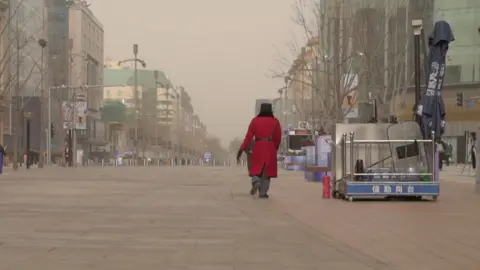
<point x="136" y="60"/>
<point x="86" y="147"/>
<point x="72" y="97"/>
<point x="43" y="130"/>
<point x="137" y="102"/>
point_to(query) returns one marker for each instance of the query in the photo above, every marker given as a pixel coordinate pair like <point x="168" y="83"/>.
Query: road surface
<point x="202" y="218"/>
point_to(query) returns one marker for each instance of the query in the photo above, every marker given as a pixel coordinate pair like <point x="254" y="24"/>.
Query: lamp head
<point x="42" y="42"/>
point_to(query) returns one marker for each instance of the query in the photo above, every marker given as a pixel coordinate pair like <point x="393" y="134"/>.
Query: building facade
<point x="167" y="122"/>
<point x="153" y="120"/>
<point x="86" y="38"/>
<point x="56" y="61"/>
<point x="463" y="59"/>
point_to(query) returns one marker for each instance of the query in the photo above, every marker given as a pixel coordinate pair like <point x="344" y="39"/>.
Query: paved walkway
<point x="202" y="218"/>
<point x="459" y="174"/>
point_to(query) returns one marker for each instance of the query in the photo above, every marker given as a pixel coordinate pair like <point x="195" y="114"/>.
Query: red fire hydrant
<point x="326" y="187"/>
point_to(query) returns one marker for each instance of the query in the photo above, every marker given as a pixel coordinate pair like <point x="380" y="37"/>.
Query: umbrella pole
<point x="417" y="31"/>
<point x="424" y="47"/>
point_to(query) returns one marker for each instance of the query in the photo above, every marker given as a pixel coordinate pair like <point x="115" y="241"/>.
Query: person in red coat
<point x="266" y="132"/>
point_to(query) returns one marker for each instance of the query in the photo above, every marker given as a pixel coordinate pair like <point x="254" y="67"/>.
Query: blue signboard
<point x="398" y="189"/>
<point x="207" y="156"/>
<point x="469" y="104"/>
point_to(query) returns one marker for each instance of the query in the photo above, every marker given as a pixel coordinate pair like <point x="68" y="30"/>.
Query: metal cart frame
<point x="346" y="187"/>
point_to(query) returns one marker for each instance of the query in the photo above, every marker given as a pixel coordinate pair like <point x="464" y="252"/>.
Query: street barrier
<point x="113" y="162"/>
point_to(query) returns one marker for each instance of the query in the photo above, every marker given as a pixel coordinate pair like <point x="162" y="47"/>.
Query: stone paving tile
<point x="203" y="218"/>
<point x="423" y="235"/>
<point x="454" y="174"/>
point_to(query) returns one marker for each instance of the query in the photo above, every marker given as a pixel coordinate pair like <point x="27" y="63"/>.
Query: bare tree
<point x="234" y="145"/>
<point x="19" y="67"/>
<point x="214" y="145"/>
<point x="350" y="48"/>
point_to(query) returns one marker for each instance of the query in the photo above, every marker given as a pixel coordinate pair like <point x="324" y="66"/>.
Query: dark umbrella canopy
<point x="432" y="107"/>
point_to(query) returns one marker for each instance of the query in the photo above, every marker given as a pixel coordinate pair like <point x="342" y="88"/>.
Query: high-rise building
<point x="86" y="69"/>
<point x="57" y="61"/>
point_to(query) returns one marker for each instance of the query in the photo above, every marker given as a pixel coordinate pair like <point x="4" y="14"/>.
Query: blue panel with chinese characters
<point x="392" y="189"/>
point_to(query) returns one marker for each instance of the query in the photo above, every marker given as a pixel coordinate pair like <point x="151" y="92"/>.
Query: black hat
<point x="266" y="109"/>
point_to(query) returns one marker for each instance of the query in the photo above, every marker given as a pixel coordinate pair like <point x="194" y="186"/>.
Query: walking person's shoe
<point x="255" y="188"/>
<point x="263" y="196"/>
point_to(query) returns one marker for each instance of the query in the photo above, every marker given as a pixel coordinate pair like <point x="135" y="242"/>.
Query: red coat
<point x="264" y="152"/>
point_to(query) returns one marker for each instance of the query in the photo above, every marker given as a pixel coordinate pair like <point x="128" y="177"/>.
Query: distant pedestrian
<point x="2" y="158"/>
<point x="440" y="145"/>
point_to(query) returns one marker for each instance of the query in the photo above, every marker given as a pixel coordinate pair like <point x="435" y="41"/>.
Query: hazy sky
<point x="220" y="50"/>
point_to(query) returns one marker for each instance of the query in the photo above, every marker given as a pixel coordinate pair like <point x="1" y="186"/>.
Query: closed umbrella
<point x="432" y="107"/>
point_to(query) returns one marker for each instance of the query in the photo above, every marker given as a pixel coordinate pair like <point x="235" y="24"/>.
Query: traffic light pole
<point x="460" y="99"/>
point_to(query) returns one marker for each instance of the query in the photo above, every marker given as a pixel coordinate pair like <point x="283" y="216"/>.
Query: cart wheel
<point x="434" y="198"/>
<point x="418" y="198"/>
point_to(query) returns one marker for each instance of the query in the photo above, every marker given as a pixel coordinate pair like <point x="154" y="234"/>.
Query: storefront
<point x="93" y="141"/>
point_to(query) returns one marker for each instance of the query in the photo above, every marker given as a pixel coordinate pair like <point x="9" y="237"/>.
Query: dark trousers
<point x="474" y="159"/>
<point x="263" y="181"/>
<point x="441" y="158"/>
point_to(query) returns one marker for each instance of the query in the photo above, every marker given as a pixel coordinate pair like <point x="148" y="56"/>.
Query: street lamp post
<point x="44" y="138"/>
<point x="135" y="60"/>
<point x="74" y="97"/>
<point x="417" y="31"/>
